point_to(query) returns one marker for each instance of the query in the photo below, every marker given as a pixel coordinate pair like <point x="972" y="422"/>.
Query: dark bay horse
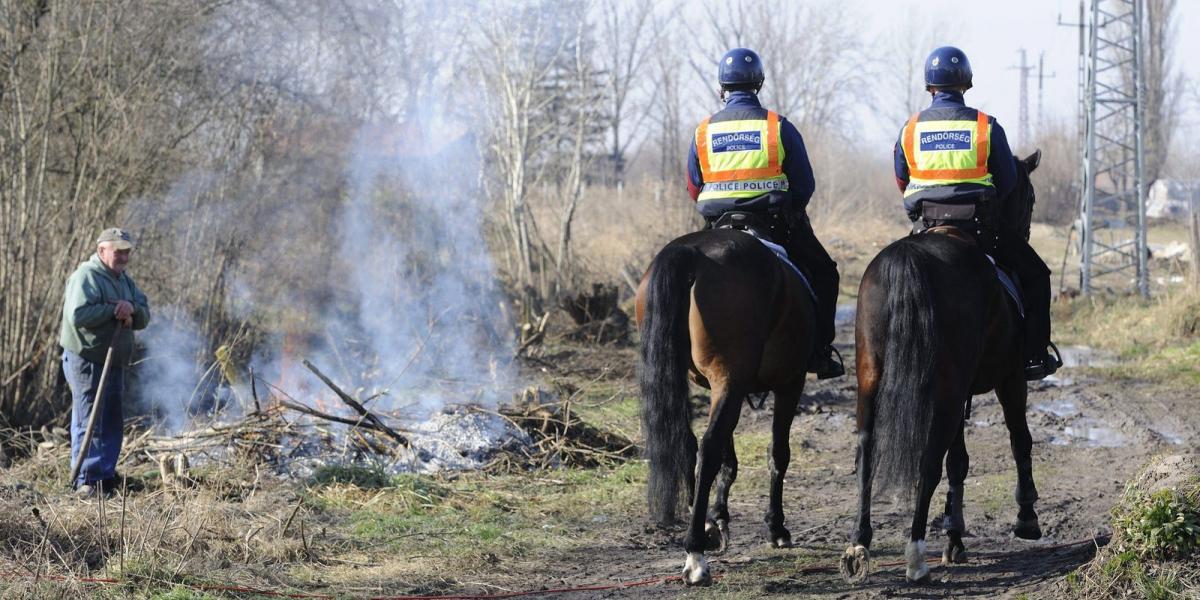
<point x="719" y="306"/>
<point x="934" y="327"/>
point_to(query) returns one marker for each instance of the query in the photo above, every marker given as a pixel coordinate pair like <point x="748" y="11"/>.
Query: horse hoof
<point x="855" y="564"/>
<point x="1028" y="529"/>
<point x="695" y="570"/>
<point x="954" y="554"/>
<point x="917" y="570"/>
<point x="716" y="536"/>
<point x="783" y="541"/>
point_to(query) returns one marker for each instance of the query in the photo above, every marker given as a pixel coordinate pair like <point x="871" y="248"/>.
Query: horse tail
<point x="662" y="376"/>
<point x="904" y="403"/>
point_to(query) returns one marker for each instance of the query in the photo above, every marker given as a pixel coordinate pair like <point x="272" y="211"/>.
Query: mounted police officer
<point x="748" y="159"/>
<point x="957" y="158"/>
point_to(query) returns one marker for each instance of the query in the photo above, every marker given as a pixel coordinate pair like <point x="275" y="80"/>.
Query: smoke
<point x="168" y="379"/>
<point x="421" y="278"/>
<point x="349" y="228"/>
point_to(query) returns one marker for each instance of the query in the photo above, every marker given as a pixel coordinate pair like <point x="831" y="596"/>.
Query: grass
<point x="1156" y="339"/>
<point x="1156" y="538"/>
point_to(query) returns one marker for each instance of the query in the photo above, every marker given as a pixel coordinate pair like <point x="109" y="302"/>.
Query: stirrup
<point x="1058" y="361"/>
<point x="831" y="367"/>
<point x="1043" y="366"/>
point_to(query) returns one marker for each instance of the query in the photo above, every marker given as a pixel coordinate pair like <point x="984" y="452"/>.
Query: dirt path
<point x="1089" y="436"/>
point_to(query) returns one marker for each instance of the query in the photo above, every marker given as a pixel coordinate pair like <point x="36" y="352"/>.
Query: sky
<point x="991" y="33"/>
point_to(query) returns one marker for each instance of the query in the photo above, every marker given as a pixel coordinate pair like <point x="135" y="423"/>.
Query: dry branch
<point x="350" y="401"/>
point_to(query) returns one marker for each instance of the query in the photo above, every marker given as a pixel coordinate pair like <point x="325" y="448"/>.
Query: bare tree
<point x="580" y="112"/>
<point x="519" y="51"/>
<point x="628" y="31"/>
<point x="667" y="107"/>
<point x="901" y="65"/>
<point x="1164" y="86"/>
<point x="811" y="55"/>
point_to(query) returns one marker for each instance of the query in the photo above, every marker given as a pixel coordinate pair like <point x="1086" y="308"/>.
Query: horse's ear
<point x="1033" y="160"/>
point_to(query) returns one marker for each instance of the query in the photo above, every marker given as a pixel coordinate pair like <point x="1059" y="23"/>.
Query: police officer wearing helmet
<point x="747" y="158"/>
<point x="952" y="154"/>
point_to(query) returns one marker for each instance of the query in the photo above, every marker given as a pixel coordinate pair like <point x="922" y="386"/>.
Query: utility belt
<point x="973" y="212"/>
<point x="765" y="225"/>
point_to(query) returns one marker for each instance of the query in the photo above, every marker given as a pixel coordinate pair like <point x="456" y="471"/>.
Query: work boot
<point x="825" y="365"/>
<point x="87" y="491"/>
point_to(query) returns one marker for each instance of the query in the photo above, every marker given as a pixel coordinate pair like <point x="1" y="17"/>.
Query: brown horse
<point x="934" y="327"/>
<point x="719" y="306"/>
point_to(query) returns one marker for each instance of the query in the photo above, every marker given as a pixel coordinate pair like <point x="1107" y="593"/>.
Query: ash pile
<point x="536" y="429"/>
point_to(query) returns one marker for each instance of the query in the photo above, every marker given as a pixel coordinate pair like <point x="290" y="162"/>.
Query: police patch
<point x="736" y="141"/>
<point x="945" y="140"/>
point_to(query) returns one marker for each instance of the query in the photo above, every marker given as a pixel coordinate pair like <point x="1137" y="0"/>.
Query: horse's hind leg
<point x="717" y="526"/>
<point x="855" y="563"/>
<point x="957" y="463"/>
<point x="941" y="434"/>
<point x="778" y="457"/>
<point x="726" y="409"/>
<point x="1013" y="395"/>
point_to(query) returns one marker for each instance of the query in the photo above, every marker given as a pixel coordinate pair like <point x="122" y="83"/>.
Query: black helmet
<point x="740" y="68"/>
<point x="947" y="67"/>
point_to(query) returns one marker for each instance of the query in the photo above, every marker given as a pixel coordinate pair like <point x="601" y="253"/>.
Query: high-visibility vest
<point x="941" y="153"/>
<point x="740" y="158"/>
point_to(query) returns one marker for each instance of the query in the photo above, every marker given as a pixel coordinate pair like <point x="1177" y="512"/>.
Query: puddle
<point x="1058" y="408"/>
<point x="844" y="315"/>
<point x="1089" y="432"/>
<point x="1056" y="381"/>
<point x="1167" y="435"/>
<point x="1086" y="356"/>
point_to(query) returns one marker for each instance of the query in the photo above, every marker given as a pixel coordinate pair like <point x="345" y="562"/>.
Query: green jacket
<point x="88" y="322"/>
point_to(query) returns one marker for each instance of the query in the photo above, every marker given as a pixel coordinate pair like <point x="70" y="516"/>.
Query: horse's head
<point x="1018" y="208"/>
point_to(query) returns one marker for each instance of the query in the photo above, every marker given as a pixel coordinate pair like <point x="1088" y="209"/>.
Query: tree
<point x="628" y="32"/>
<point x="1163" y="85"/>
<point x="811" y="56"/>
<point x="520" y="49"/>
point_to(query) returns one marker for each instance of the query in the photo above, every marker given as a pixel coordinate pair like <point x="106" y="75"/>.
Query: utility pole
<point x="1081" y="71"/>
<point x="1112" y="214"/>
<point x="1041" y="77"/>
<point x="1024" y="68"/>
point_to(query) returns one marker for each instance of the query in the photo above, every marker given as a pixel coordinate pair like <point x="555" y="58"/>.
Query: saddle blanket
<point x="782" y="254"/>
<point x="1009" y="286"/>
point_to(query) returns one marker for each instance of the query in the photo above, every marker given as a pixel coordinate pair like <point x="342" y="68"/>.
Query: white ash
<point x="461" y="439"/>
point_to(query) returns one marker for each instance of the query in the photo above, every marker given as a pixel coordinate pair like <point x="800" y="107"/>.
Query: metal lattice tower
<point x="1112" y="213"/>
<point x="1025" y="68"/>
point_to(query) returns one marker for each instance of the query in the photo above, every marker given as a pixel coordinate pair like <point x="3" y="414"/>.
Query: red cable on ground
<point x="495" y="596"/>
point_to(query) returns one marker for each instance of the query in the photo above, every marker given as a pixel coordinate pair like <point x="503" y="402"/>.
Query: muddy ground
<point x="521" y="528"/>
<point x="1090" y="435"/>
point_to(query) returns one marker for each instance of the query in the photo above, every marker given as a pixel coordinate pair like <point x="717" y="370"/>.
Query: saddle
<point x="771" y="231"/>
<point x="763" y="227"/>
<point x="1008" y="279"/>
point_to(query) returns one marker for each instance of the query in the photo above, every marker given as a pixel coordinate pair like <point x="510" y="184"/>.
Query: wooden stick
<point x="254" y="392"/>
<point x="97" y="405"/>
<point x="328" y="417"/>
<point x="350" y="401"/>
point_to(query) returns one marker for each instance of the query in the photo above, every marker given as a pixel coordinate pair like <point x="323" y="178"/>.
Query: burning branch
<point x="312" y="412"/>
<point x="375" y="421"/>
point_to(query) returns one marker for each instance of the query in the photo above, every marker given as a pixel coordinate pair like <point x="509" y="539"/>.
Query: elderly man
<point x="102" y="306"/>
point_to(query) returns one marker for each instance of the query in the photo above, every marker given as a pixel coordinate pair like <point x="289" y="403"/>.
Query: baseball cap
<point x="120" y="238"/>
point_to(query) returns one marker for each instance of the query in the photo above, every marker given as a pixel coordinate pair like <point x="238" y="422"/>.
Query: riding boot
<point x="1035" y="282"/>
<point x="807" y="252"/>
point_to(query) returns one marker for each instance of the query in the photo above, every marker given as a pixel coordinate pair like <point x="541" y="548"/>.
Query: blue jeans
<point x="83" y="376"/>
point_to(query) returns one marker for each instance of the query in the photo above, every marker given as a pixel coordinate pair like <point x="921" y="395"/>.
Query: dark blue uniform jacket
<point x="795" y="165"/>
<point x="950" y="105"/>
